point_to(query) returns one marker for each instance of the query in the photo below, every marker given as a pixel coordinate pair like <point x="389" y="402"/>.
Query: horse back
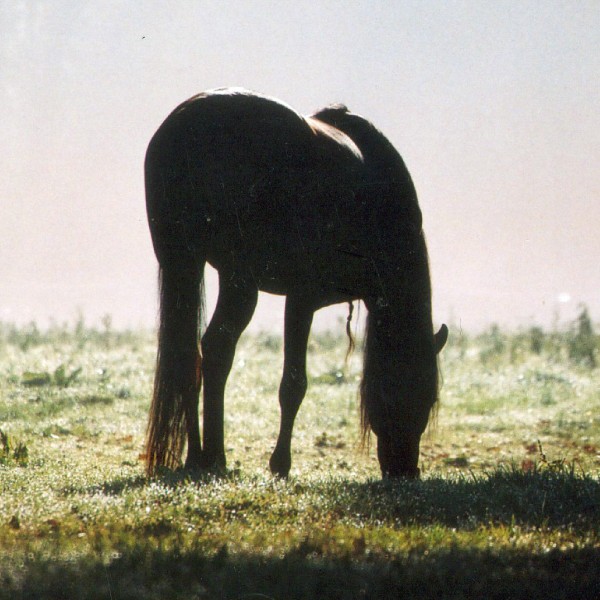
<point x="230" y="164"/>
<point x="247" y="183"/>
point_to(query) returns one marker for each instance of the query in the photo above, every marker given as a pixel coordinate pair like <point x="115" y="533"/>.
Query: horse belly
<point x="282" y="260"/>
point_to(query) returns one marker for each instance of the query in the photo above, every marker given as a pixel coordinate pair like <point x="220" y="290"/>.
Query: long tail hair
<point x="178" y="375"/>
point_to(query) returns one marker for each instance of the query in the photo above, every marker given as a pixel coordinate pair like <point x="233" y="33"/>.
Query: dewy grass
<point x="507" y="505"/>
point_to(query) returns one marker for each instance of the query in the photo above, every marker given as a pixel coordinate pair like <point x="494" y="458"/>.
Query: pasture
<point x="508" y="505"/>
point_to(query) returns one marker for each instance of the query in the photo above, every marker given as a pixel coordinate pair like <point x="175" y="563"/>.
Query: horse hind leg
<point x="298" y="320"/>
<point x="235" y="307"/>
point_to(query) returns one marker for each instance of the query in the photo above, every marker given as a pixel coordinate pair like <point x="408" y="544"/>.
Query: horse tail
<point x="178" y="375"/>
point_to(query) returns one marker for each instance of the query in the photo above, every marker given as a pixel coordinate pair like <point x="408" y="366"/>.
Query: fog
<point x="494" y="107"/>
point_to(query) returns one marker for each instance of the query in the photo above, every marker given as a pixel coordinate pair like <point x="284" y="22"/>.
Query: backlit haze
<point x="493" y="105"/>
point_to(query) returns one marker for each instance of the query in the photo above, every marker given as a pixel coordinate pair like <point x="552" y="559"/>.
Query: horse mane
<point x="378" y="151"/>
<point x="388" y="181"/>
<point x="386" y="172"/>
<point x="329" y="113"/>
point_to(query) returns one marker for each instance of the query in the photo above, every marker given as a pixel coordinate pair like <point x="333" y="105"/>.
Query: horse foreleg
<point x="235" y="307"/>
<point x="298" y="319"/>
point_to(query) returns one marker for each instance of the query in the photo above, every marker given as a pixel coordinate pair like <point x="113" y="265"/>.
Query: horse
<point x="320" y="209"/>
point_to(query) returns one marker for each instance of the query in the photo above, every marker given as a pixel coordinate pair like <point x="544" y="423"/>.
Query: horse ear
<point x="441" y="338"/>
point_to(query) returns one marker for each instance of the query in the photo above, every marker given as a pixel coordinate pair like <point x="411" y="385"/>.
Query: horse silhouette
<point x="320" y="209"/>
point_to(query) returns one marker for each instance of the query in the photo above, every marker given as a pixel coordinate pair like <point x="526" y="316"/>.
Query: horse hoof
<point x="280" y="468"/>
<point x="193" y="463"/>
<point x="411" y="474"/>
<point x="204" y="463"/>
<point x="214" y="464"/>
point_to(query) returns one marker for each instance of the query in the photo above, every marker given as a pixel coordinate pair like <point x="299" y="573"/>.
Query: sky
<point x="493" y="105"/>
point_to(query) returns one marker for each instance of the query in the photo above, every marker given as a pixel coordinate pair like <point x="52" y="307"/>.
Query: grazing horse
<point x="320" y="209"/>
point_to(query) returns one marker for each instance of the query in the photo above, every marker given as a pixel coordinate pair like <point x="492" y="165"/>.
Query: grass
<point x="508" y="505"/>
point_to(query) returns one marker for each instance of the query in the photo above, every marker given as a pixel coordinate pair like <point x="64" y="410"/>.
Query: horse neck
<point x="399" y="336"/>
<point x="403" y="335"/>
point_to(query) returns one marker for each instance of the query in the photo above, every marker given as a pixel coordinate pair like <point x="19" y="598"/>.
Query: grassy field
<point x="508" y="505"/>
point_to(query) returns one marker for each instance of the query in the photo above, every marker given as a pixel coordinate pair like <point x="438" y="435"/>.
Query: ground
<point x="507" y="506"/>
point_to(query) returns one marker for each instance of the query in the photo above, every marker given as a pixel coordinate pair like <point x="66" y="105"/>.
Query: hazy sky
<point x="493" y="105"/>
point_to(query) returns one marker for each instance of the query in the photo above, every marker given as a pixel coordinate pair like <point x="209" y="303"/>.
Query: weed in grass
<point x="59" y="377"/>
<point x="12" y="452"/>
<point x="583" y="342"/>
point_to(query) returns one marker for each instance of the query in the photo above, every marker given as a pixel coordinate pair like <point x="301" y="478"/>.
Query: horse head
<point x="397" y="396"/>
